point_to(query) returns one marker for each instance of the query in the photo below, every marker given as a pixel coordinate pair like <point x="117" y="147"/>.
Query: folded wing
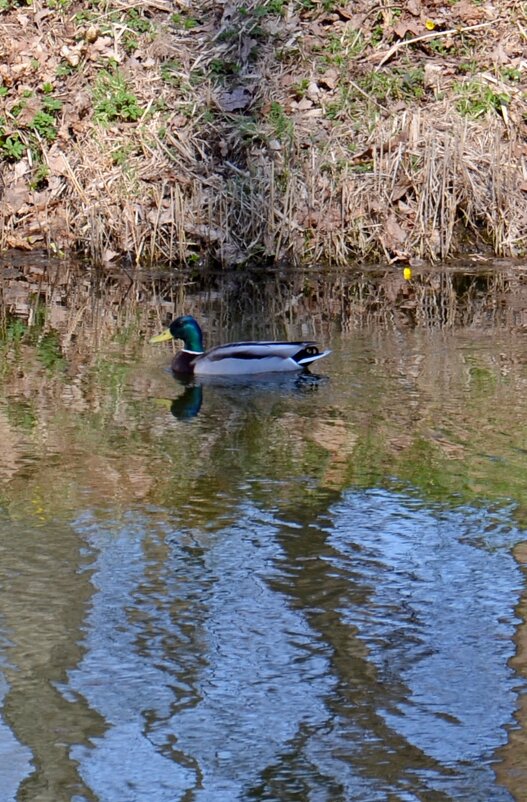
<point x="258" y="357"/>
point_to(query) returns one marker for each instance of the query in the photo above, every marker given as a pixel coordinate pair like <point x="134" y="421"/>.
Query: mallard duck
<point x="234" y="359"/>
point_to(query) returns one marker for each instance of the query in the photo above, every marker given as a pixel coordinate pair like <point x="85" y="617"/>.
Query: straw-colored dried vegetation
<point x="263" y="130"/>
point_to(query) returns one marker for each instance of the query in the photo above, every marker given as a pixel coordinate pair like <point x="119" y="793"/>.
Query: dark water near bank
<point x="286" y="590"/>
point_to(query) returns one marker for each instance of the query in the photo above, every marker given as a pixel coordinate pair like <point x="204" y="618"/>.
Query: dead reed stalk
<point x="245" y="143"/>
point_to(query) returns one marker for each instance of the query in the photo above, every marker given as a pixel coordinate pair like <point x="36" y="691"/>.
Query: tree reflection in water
<point x="303" y="588"/>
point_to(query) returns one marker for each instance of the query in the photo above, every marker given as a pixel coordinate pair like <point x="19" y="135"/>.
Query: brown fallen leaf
<point x="14" y="198"/>
<point x="19" y="169"/>
<point x="57" y="162"/>
<point x="164" y="218"/>
<point x="499" y="55"/>
<point x="178" y="121"/>
<point x="313" y="92"/>
<point x="31" y="106"/>
<point x="12" y="241"/>
<point x="108" y="255"/>
<point x="55" y="185"/>
<point x="208" y="233"/>
<point x="235" y="100"/>
<point x="363" y="155"/>
<point x="469" y="13"/>
<point x="303" y="105"/>
<point x="23" y="20"/>
<point x="40" y="200"/>
<point x="403" y="27"/>
<point x="400" y="190"/>
<point x="246" y="48"/>
<point x="346" y="13"/>
<point x="432" y="75"/>
<point x="355" y="21"/>
<point x="103" y="46"/>
<point x="232" y="254"/>
<point x="82" y="103"/>
<point x="71" y="54"/>
<point x="42" y="14"/>
<point x="329" y="79"/>
<point x="394" y="234"/>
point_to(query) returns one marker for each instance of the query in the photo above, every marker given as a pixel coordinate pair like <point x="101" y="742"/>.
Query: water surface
<point x="293" y="589"/>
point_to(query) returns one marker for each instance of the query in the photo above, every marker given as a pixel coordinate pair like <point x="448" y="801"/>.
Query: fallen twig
<point x="432" y="35"/>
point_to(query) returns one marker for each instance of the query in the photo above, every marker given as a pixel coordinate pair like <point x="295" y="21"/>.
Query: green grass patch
<point x="339" y="50"/>
<point x="476" y="98"/>
<point x="184" y="21"/>
<point x="393" y="85"/>
<point x="11" y="146"/>
<point x="44" y="125"/>
<point x="282" y="125"/>
<point x="171" y="70"/>
<point x="113" y="99"/>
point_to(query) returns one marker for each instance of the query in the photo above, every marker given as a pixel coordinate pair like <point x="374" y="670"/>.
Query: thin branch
<point x="433" y="35"/>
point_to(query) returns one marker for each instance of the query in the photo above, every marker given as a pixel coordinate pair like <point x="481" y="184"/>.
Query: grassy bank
<point x="263" y="130"/>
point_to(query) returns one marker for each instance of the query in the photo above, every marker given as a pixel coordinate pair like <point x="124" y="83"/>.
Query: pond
<point x="307" y="588"/>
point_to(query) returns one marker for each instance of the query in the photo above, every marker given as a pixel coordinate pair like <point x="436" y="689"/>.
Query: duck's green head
<point x="184" y="328"/>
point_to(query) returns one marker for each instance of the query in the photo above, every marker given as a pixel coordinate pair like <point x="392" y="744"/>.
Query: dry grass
<point x="262" y="135"/>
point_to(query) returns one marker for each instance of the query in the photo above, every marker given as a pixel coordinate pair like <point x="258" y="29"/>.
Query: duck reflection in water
<point x="188" y="404"/>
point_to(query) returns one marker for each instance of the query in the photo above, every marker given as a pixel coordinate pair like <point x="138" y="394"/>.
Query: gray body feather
<point x="257" y="357"/>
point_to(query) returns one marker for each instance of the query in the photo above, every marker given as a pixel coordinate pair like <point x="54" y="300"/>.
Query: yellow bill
<point x="161" y="338"/>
